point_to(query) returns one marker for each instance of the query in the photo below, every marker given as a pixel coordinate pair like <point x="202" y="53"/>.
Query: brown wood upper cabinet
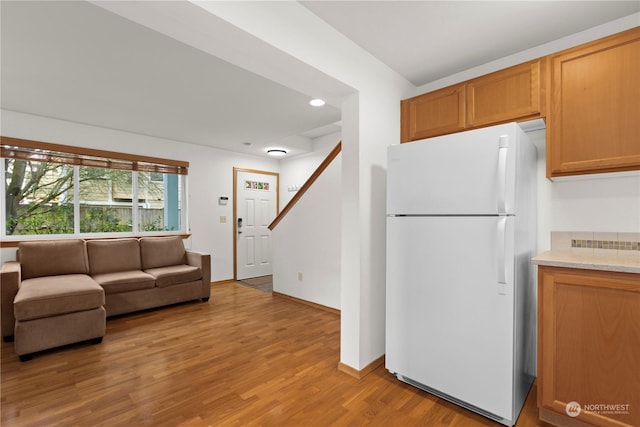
<point x="595" y="107"/>
<point x="512" y="94"/>
<point x="507" y="95"/>
<point x="434" y="113"/>
<point x="588" y="347"/>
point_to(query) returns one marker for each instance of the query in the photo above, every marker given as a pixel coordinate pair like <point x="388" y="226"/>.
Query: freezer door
<point x="468" y="173"/>
<point x="449" y="307"/>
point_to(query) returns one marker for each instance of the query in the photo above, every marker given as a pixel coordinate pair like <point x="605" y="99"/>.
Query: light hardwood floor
<point x="243" y="358"/>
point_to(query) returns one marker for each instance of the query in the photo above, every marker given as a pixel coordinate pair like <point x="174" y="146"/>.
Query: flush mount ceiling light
<point x="316" y="102"/>
<point x="277" y="152"/>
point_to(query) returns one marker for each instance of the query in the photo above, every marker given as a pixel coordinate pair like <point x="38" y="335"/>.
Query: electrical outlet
<point x="223" y="219"/>
<point x="300" y="276"/>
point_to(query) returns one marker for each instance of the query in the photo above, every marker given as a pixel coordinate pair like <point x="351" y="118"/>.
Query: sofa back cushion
<point x="52" y="258"/>
<point x="113" y="255"/>
<point x="162" y="252"/>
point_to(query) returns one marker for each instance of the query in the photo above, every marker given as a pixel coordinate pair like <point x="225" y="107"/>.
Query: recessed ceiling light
<point x="316" y="102"/>
<point x="276" y="152"/>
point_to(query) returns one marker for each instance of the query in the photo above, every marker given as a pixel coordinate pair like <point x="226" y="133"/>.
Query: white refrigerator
<point x="460" y="289"/>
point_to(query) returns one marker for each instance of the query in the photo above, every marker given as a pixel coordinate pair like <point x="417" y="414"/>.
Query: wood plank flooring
<point x="245" y="358"/>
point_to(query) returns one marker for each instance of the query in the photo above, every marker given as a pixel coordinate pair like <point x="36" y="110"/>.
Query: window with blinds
<point x="52" y="189"/>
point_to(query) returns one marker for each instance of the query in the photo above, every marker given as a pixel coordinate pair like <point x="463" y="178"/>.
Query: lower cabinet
<point x="588" y="347"/>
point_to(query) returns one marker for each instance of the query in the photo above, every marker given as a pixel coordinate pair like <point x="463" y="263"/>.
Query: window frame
<point x="22" y="149"/>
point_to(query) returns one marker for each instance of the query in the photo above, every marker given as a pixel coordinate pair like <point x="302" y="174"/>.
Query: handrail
<point x="325" y="163"/>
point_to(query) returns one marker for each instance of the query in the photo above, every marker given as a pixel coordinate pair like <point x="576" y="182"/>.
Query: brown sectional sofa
<point x="60" y="291"/>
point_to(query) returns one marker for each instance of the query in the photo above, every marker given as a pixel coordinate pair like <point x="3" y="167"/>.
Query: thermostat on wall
<point x="223" y="200"/>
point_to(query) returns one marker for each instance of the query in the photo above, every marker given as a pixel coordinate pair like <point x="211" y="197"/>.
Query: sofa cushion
<point x="162" y="252"/>
<point x="109" y="256"/>
<point x="52" y="258"/>
<point x="54" y="295"/>
<point x="175" y="274"/>
<point x="124" y="281"/>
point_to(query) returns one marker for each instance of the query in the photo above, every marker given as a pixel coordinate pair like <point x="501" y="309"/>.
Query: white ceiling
<point x="427" y="40"/>
<point x="76" y="61"/>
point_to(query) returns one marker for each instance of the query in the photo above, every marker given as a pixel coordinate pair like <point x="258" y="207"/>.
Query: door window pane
<point x="38" y="198"/>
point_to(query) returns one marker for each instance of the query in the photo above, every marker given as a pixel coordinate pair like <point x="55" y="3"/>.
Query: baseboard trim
<point x="359" y="374"/>
<point x="561" y="420"/>
<point x="309" y="303"/>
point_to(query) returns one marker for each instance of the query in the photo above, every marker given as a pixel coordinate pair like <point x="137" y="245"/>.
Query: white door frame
<point x="235" y="209"/>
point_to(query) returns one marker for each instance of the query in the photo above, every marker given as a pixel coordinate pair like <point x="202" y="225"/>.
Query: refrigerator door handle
<point x="501" y="247"/>
<point x="503" y="146"/>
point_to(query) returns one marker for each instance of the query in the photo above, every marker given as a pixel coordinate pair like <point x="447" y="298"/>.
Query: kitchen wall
<point x="210" y="176"/>
<point x="599" y="202"/>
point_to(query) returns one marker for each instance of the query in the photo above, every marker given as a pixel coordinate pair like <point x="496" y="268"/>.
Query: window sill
<point x="14" y="243"/>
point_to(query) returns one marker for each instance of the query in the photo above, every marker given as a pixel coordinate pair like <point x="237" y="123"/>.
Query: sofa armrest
<point x="9" y="284"/>
<point x="202" y="260"/>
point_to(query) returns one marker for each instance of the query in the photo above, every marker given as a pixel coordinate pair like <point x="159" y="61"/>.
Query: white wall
<point x="596" y="202"/>
<point x="307" y="241"/>
<point x="296" y="170"/>
<point x="370" y="122"/>
<point x="210" y="176"/>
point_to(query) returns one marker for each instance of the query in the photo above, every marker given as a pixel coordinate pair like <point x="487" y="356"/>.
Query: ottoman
<point x="57" y="310"/>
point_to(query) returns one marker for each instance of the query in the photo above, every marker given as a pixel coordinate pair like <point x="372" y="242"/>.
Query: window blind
<point x="36" y="151"/>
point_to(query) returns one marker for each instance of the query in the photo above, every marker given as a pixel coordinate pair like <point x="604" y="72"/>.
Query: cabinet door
<point x="434" y="113"/>
<point x="589" y="347"/>
<point x="595" y="106"/>
<point x="507" y="95"/>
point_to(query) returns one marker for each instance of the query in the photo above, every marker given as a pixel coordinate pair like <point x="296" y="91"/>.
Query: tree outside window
<point x="40" y="199"/>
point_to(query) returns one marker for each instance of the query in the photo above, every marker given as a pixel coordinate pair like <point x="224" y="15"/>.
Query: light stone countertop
<point x="626" y="263"/>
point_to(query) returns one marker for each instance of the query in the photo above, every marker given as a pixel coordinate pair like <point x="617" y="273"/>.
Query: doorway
<point x="256" y="204"/>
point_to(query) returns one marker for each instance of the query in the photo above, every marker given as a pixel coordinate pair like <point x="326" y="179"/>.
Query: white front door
<point x="256" y="206"/>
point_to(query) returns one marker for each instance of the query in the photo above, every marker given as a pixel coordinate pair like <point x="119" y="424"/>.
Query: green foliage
<point x="101" y="219"/>
<point x="44" y="185"/>
<point x="47" y="220"/>
<point x="156" y="224"/>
